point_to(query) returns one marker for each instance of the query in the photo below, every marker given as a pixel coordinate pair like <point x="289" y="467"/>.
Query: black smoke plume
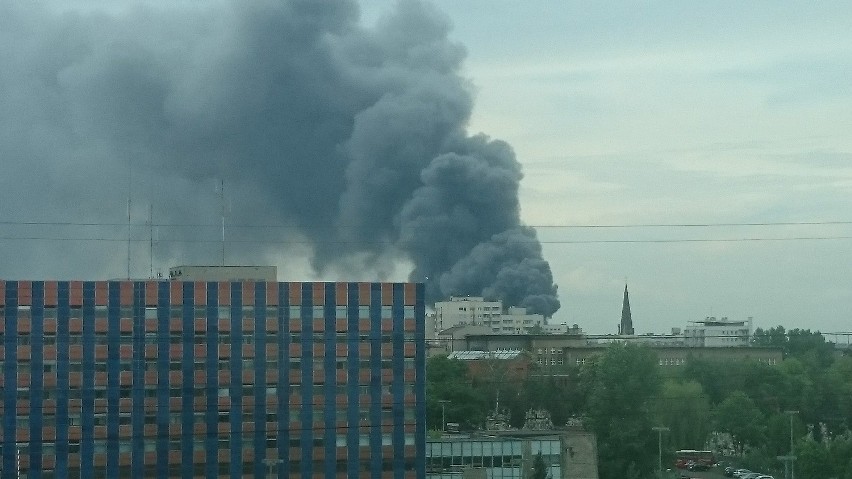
<point x="353" y="136"/>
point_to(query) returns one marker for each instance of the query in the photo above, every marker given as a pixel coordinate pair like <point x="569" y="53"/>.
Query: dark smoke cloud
<point x="353" y="136"/>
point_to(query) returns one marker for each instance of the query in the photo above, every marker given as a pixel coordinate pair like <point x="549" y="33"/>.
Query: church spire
<point x="626" y="326"/>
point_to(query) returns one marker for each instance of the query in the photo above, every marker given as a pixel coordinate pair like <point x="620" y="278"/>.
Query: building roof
<point x="474" y="355"/>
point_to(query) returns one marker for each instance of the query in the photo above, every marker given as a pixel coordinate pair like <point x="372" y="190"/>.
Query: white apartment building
<point x="516" y="321"/>
<point x="474" y="310"/>
<point x="465" y="310"/>
<point x="717" y="333"/>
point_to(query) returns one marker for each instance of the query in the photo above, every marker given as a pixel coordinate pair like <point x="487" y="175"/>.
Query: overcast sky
<point x="671" y="112"/>
<point x="629" y="120"/>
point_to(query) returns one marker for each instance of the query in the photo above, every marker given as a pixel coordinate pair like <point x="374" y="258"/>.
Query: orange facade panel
<point x="23" y="353"/>
<point x="341" y="293"/>
<point x="24" y="325"/>
<point x="176" y="293"/>
<point x="409" y="294"/>
<point x="387" y="294"/>
<point x="75" y="293"/>
<point x="200" y="293"/>
<point x="248" y="293"/>
<point x="101" y="293"/>
<point x="272" y="294"/>
<point x="126" y="293"/>
<point x="295" y="294"/>
<point x="341" y="325"/>
<point x="318" y="293"/>
<point x="224" y="293"/>
<point x="151" y="293"/>
<point x="364" y="294"/>
<point x="50" y="293"/>
<point x="25" y="293"/>
<point x="125" y="325"/>
<point x="272" y="325"/>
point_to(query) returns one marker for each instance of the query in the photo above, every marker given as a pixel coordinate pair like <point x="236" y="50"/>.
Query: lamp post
<point x="788" y="459"/>
<point x="792" y="457"/>
<point x="660" y="430"/>
<point x="271" y="463"/>
<point x="443" y="403"/>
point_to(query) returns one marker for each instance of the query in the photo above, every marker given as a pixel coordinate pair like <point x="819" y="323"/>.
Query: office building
<point x="211" y="379"/>
<point x="718" y="333"/>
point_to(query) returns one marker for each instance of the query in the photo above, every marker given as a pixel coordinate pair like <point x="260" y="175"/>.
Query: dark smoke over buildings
<point x="354" y="137"/>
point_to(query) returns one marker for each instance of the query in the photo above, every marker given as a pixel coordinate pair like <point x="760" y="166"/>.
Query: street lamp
<point x="660" y="430"/>
<point x="788" y="459"/>
<point x="443" y="403"/>
<point x="271" y="463"/>
<point x="792" y="457"/>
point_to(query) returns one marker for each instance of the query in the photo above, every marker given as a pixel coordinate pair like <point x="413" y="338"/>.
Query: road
<point x="713" y="473"/>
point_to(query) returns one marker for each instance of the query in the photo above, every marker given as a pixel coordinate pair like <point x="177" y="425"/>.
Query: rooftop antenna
<point x="151" y="240"/>
<point x="129" y="194"/>
<point x="222" y="199"/>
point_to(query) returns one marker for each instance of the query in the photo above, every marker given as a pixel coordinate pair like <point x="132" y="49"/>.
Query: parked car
<point x="697" y="466"/>
<point x="729" y="471"/>
<point x="740" y="472"/>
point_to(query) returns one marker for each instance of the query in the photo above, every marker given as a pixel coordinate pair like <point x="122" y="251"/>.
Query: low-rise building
<point x="566" y="453"/>
<point x="566" y="349"/>
<point x="510" y="365"/>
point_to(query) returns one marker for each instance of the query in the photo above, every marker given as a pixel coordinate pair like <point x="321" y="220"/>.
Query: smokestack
<point x="353" y="136"/>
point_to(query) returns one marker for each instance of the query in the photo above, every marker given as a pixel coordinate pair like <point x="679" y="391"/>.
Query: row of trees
<point x="742" y="407"/>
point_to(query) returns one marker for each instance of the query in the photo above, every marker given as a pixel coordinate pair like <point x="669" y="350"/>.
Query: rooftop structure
<point x="722" y="332"/>
<point x="224" y="273"/>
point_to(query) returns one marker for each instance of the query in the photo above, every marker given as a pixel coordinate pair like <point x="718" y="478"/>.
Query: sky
<point x="698" y="152"/>
<point x="674" y="113"/>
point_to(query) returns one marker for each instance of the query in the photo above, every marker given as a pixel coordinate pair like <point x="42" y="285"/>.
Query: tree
<point x="812" y="459"/>
<point x="539" y="469"/>
<point x="739" y="416"/>
<point x="796" y="343"/>
<point x="685" y="410"/>
<point x="714" y="379"/>
<point x="448" y="379"/>
<point x="620" y="385"/>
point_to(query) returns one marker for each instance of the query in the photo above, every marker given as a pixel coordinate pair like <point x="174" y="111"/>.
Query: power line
<point x="551" y="225"/>
<point x="398" y="243"/>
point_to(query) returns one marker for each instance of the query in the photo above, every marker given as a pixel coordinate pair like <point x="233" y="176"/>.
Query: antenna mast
<point x="129" y="190"/>
<point x="222" y="198"/>
<point x="151" y="240"/>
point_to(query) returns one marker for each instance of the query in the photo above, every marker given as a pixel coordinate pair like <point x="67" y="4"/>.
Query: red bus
<point x="685" y="456"/>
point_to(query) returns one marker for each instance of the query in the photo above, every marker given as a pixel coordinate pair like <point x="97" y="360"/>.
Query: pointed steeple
<point x="626" y="326"/>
